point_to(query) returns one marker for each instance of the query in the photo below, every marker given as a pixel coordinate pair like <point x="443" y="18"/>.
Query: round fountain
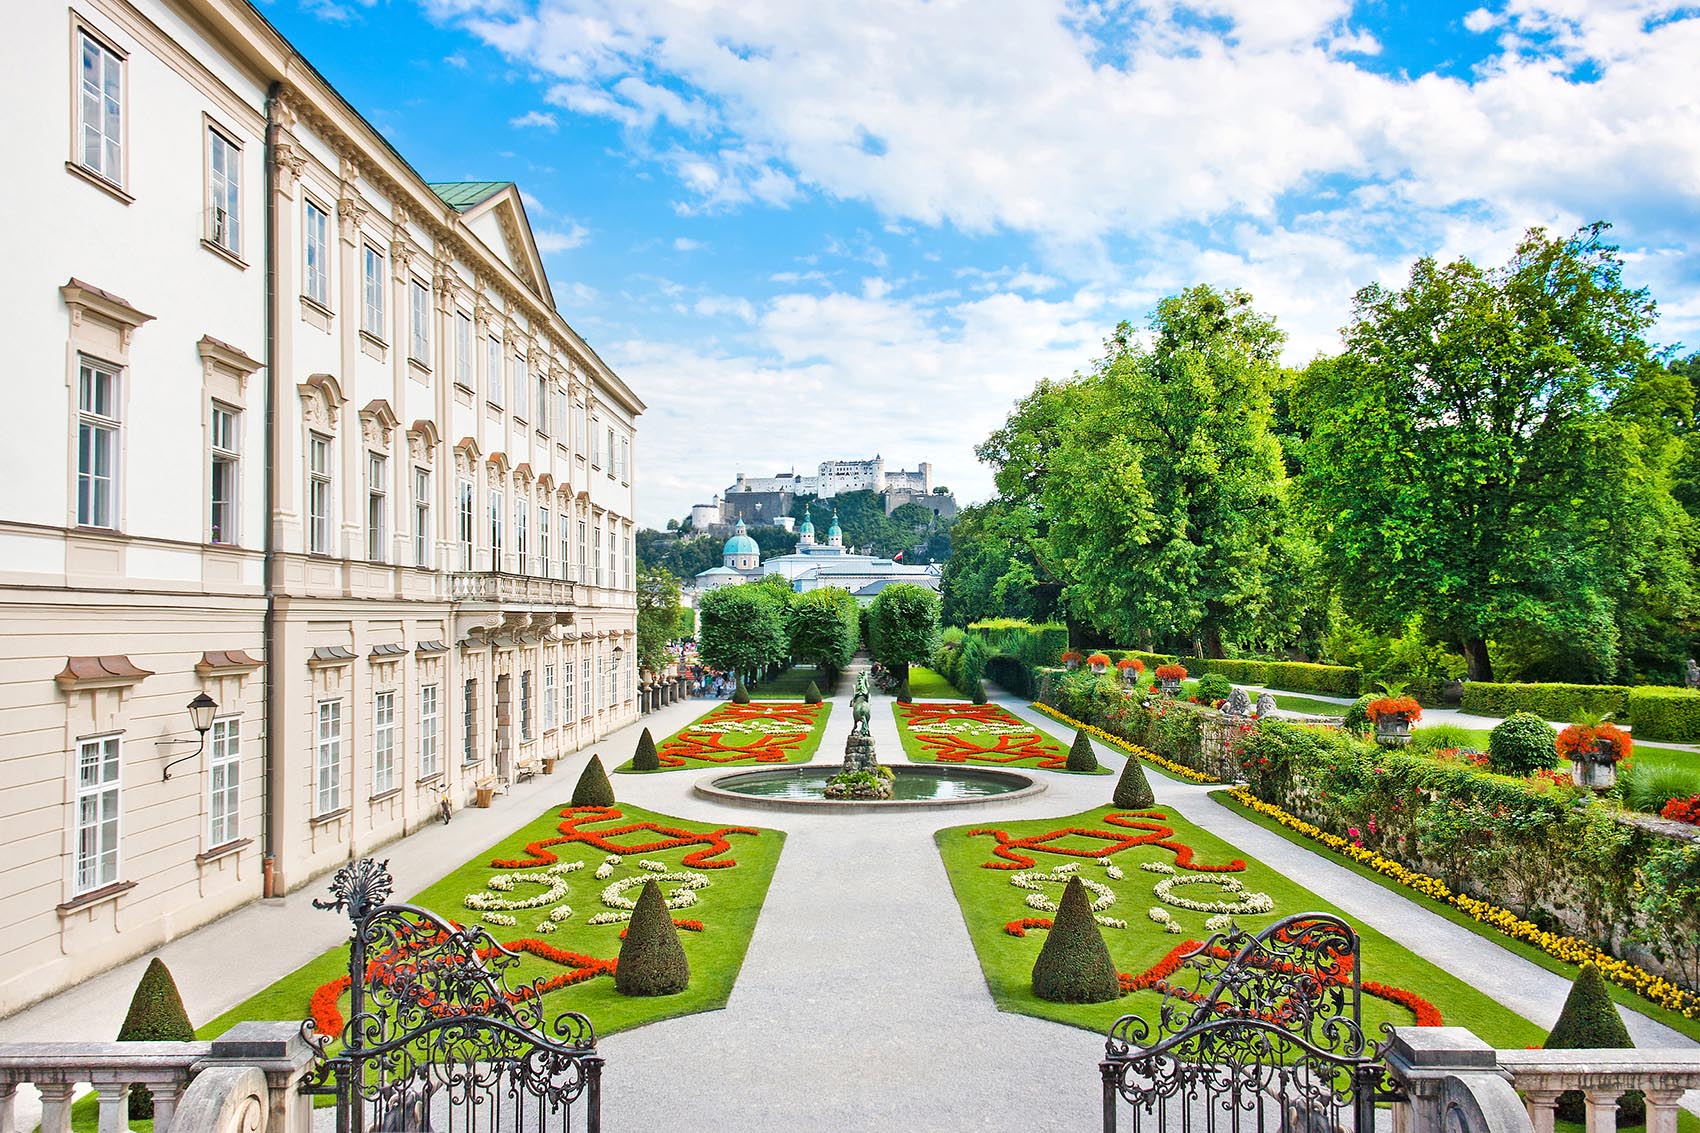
<point x="862" y="783"/>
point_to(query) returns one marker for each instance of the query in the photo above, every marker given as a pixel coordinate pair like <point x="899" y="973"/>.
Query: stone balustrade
<point x="1603" y="1076"/>
<point x="245" y="1080"/>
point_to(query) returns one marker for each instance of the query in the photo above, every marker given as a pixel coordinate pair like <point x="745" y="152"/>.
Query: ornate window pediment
<point x="321" y="401"/>
<point x="377" y="422"/>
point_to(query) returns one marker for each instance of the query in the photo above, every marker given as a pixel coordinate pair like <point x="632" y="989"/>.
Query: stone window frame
<point x="210" y="127"/>
<point x="101" y="329"/>
<point x="382" y="789"/>
<point x="322" y="400"/>
<point x="377" y="430"/>
<point x="234" y="832"/>
<point x="225" y="370"/>
<point x="433" y="682"/>
<point x="81" y="27"/>
<point x="322" y="305"/>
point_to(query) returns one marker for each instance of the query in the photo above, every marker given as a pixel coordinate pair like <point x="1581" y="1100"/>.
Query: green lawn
<point x="924" y="684"/>
<point x="1678" y="1022"/>
<point x="768" y="731"/>
<point x="984" y="735"/>
<point x="1292" y="703"/>
<point x="791" y="684"/>
<point x="989" y="901"/>
<point x="727" y="908"/>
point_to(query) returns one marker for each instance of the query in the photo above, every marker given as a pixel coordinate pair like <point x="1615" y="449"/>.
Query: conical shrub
<point x="740" y="695"/>
<point x="1074" y="965"/>
<point x="593" y="787"/>
<point x="644" y="758"/>
<point x="1589" y="1021"/>
<point x="1080" y="754"/>
<point x="1133" y="789"/>
<point x="156" y="1015"/>
<point x="903" y="691"/>
<point x="652" y="961"/>
<point x="811" y="695"/>
<point x="979" y="696"/>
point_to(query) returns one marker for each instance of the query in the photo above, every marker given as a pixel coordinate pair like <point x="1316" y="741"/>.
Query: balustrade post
<point x="55" y="1106"/>
<point x="165" y="1107"/>
<point x="8" y="1114"/>
<point x="114" y="1106"/>
<point x="1601" y="1110"/>
<point x="1662" y="1109"/>
<point x="1543" y="1108"/>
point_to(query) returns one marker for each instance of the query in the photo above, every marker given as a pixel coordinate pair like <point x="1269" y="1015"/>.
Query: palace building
<point x="318" y="510"/>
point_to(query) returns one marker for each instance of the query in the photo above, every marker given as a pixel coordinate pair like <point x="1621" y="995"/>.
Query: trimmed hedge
<point x="1522" y="744"/>
<point x="156" y="1015"/>
<point x="1074" y="965"/>
<point x="1301" y="676"/>
<point x="1589" y="1021"/>
<point x="593" y="787"/>
<point x="1237" y="670"/>
<point x="1133" y="789"/>
<point x="1017" y="678"/>
<point x="1548" y="701"/>
<point x="1152" y="660"/>
<point x="645" y="758"/>
<point x="1663" y="713"/>
<point x="652" y="961"/>
<point x="1081" y="757"/>
<point x="1011" y="651"/>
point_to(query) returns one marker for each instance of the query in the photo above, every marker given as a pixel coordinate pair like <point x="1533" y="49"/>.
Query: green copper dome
<point x="834" y="531"/>
<point x="808" y="527"/>
<point x="740" y="543"/>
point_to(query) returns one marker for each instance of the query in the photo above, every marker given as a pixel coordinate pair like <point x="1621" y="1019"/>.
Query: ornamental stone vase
<point x="1071" y="666"/>
<point x="1393" y="730"/>
<point x="1169" y="685"/>
<point x="1130" y="675"/>
<point x="1099" y="667"/>
<point x="1598" y="771"/>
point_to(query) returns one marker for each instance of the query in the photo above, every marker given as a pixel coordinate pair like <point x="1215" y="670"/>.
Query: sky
<point x="810" y="231"/>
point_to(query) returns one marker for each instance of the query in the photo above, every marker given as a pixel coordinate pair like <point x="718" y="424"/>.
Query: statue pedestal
<point x="859" y="753"/>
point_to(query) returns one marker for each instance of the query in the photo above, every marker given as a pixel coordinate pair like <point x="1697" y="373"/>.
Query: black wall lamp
<point x="201" y="711"/>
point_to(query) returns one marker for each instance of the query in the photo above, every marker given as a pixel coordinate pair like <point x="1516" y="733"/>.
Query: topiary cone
<point x="644" y="758"/>
<point x="903" y="691"/>
<point x="1590" y="1020"/>
<point x="652" y="961"/>
<point x="593" y="787"/>
<point x="1133" y="789"/>
<point x="1080" y="754"/>
<point x="156" y="1015"/>
<point x="1074" y="965"/>
<point x="740" y="695"/>
<point x="811" y="695"/>
<point x="979" y="696"/>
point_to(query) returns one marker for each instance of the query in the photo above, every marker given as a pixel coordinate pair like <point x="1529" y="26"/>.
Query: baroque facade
<point x="320" y="448"/>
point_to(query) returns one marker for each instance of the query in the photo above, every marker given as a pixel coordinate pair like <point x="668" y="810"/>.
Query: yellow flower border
<point x="1569" y="949"/>
<point x="1178" y="770"/>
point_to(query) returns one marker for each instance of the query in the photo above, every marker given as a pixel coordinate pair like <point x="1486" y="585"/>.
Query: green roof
<point x="463" y="195"/>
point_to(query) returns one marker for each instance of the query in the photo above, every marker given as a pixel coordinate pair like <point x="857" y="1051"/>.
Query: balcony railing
<point x="510" y="589"/>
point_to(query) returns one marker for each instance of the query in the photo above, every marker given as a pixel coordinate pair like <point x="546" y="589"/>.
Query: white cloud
<point x="533" y="118"/>
<point x="457" y="60"/>
<point x="1480" y="20"/>
<point x="552" y="240"/>
<point x="686" y="244"/>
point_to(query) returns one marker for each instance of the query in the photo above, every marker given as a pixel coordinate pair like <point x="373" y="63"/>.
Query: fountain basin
<point x="915" y="786"/>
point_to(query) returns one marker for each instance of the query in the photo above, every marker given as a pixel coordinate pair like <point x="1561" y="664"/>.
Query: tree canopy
<point x="743" y="629"/>
<point x="660" y="617"/>
<point x="825" y="630"/>
<point x="904" y="624"/>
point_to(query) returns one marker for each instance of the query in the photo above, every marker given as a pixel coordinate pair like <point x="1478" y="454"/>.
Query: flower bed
<point x="1168" y="766"/>
<point x="977" y="733"/>
<point x="735" y="735"/>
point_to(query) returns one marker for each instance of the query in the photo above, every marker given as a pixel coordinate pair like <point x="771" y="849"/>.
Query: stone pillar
<point x="279" y="1052"/>
<point x="1453" y="1081"/>
<point x="8" y="1115"/>
<point x="1543" y="1108"/>
<point x="55" y="1106"/>
<point x="1662" y="1110"/>
<point x="114" y="1106"/>
<point x="165" y="1099"/>
<point x="1601" y="1108"/>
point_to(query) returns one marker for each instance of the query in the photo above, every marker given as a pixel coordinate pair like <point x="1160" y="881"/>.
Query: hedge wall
<point x="1548" y="701"/>
<point x="1238" y="670"/>
<point x="1014" y="649"/>
<point x="1298" y="676"/>
<point x="1662" y="713"/>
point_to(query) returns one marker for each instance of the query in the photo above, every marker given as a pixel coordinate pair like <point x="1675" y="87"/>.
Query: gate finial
<point x="359" y="888"/>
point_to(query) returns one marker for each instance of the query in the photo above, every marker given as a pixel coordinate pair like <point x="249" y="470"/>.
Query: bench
<point x="524" y="770"/>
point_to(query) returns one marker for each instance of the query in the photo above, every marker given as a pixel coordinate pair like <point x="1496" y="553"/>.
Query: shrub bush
<point x="1213" y="687"/>
<point x="811" y="695"/>
<point x="903" y="690"/>
<point x="979" y="694"/>
<point x="1074" y="966"/>
<point x="1437" y="737"/>
<point x="1589" y="1021"/>
<point x="1300" y="676"/>
<point x="1660" y="713"/>
<point x="1356" y="718"/>
<point x="593" y="787"/>
<point x="1648" y="789"/>
<point x="645" y="758"/>
<point x="1080" y="754"/>
<point x="740" y="695"/>
<point x="1548" y="701"/>
<point x="1133" y="789"/>
<point x="156" y="1015"/>
<point x="1522" y="744"/>
<point x="652" y="961"/>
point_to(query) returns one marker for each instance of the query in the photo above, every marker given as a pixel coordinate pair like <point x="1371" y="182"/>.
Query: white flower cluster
<point x="1246" y="904"/>
<point x="620" y="906"/>
<point x="755" y="727"/>
<point x="652" y="865"/>
<point x="1112" y="870"/>
<point x="606" y="869"/>
<point x="964" y="726"/>
<point x="492" y="906"/>
<point x="1156" y="867"/>
<point x="1221" y="922"/>
<point x="1162" y="917"/>
<point x="1059" y="875"/>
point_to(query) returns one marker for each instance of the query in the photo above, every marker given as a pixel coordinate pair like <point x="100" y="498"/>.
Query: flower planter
<point x="1593" y="774"/>
<point x="1130" y="676"/>
<point x="1071" y="666"/>
<point x="548" y="765"/>
<point x="1100" y="668"/>
<point x="1169" y="686"/>
<point x="1393" y="731"/>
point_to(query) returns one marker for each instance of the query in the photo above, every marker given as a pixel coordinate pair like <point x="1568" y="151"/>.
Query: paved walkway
<point x="861" y="1004"/>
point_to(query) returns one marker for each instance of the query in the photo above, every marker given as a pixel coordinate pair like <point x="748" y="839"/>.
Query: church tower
<point x="834" y="535"/>
<point x="741" y="553"/>
<point x="806" y="533"/>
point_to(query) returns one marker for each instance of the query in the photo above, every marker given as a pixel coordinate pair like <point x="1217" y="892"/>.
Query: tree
<point x="156" y="1015"/>
<point x="824" y="630"/>
<point x="1491" y="455"/>
<point x="905" y="623"/>
<point x="991" y="571"/>
<point x="659" y="616"/>
<point x="743" y="629"/>
<point x="1081" y="757"/>
<point x="1133" y="789"/>
<point x="644" y="758"/>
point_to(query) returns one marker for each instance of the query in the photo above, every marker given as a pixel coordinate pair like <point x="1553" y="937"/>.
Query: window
<point x="469" y="716"/>
<point x="598" y="537"/>
<point x="583" y="555"/>
<point x="463" y="349"/>
<point x="97" y="813"/>
<point x="97" y="444"/>
<point x="579" y="431"/>
<point x="584" y="688"/>
<point x="564" y="526"/>
<point x="613" y="558"/>
<point x="542" y="404"/>
<point x="522" y="530"/>
<point x="100" y="110"/>
<point x="519" y="376"/>
<point x="543" y="541"/>
<point x="626" y="559"/>
<point x="608" y="461"/>
<point x="226" y="484"/>
<point x="463" y="521"/>
<point x="625" y="460"/>
<point x="429" y="725"/>
<point x="318" y="494"/>
<point x="497" y="506"/>
<point x="372" y="318"/>
<point x="377" y="506"/>
<point x="525" y="705"/>
<point x="419" y="296"/>
<point x="602" y="671"/>
<point x="567" y="692"/>
<point x="224" y="781"/>
<point x="328" y="758"/>
<point x="595" y="445"/>
<point x="493" y="369"/>
<point x="421" y="518"/>
<point x="315" y="264"/>
<point x="560" y="424"/>
<point x="383" y="743"/>
<point x="224" y="192"/>
<point x="549" y="698"/>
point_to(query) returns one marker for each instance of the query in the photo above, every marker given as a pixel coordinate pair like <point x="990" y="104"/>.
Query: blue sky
<point x="810" y="231"/>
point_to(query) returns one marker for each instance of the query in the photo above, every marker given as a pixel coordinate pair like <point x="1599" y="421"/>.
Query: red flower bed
<point x="1683" y="810"/>
<point x="711" y="747"/>
<point x="713" y="842"/>
<point x="1011" y="849"/>
<point x="1171" y="672"/>
<point x="960" y="749"/>
<point x="688" y="926"/>
<point x="1020" y="927"/>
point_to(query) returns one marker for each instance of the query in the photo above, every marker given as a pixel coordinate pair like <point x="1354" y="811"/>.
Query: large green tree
<point x="991" y="572"/>
<point x="660" y="617"/>
<point x="1491" y="456"/>
<point x="825" y="631"/>
<point x="743" y="629"/>
<point x="904" y="623"/>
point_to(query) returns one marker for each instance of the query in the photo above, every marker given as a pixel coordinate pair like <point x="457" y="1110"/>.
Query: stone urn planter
<point x="1128" y="674"/>
<point x="1595" y="752"/>
<point x="1393" y="731"/>
<point x="1393" y="716"/>
<point x="1071" y="661"/>
<point x="1167" y="679"/>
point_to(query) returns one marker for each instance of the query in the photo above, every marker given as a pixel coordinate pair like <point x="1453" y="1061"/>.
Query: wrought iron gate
<point x="1261" y="1033"/>
<point x="436" y="1040"/>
